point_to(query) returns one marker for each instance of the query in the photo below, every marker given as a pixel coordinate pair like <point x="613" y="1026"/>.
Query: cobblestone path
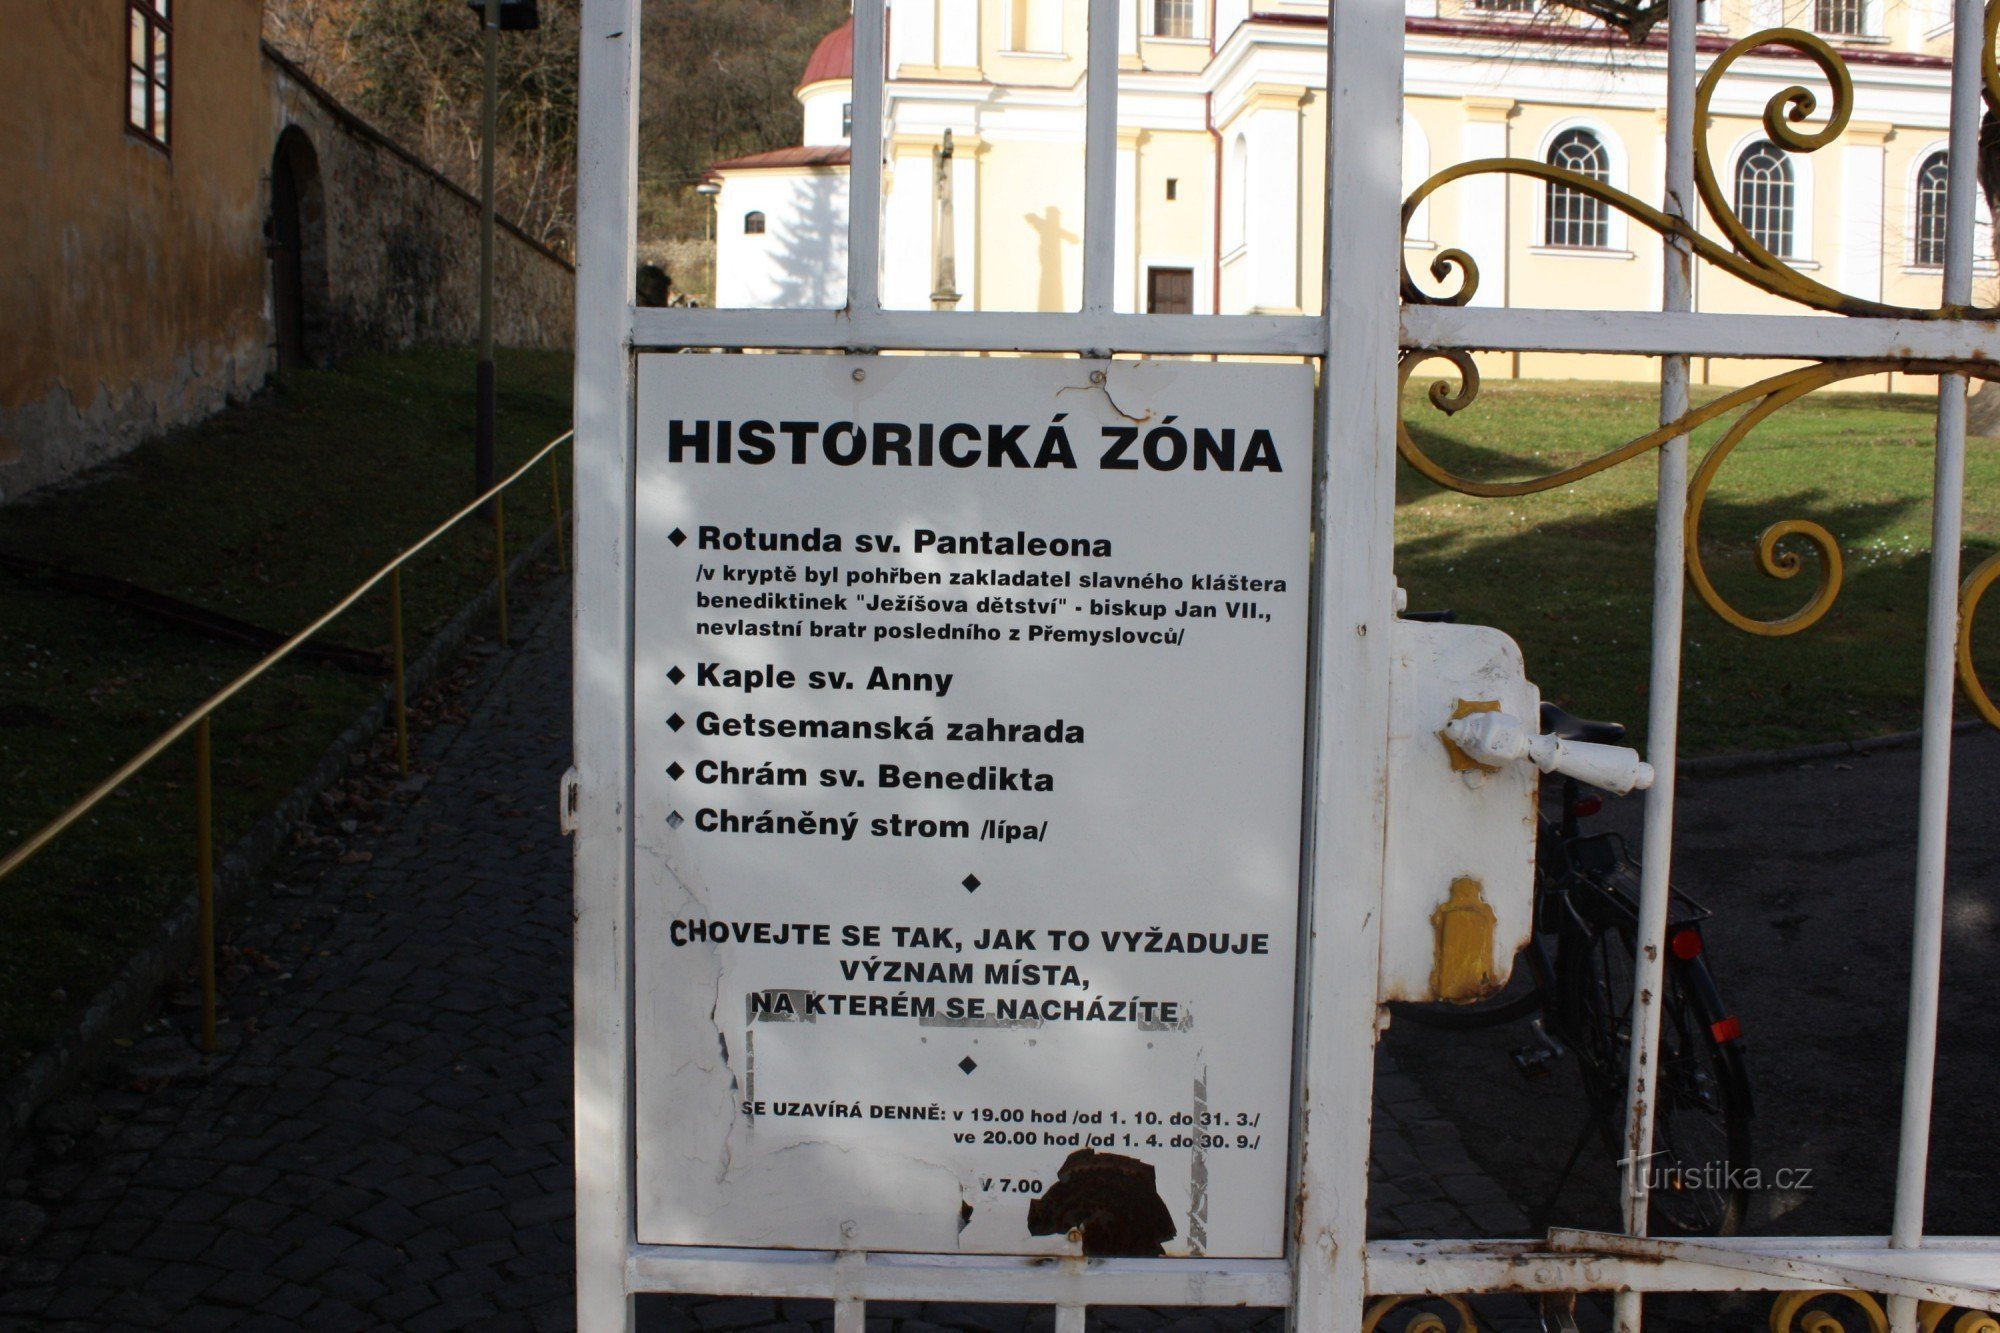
<point x="384" y="1141"/>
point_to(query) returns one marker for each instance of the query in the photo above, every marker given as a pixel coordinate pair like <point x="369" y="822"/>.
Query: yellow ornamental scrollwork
<point x="1785" y="120"/>
<point x="1420" y="1321"/>
<point x="1939" y="1317"/>
<point x="1990" y="57"/>
<point x="1803" y="1312"/>
<point x="1935" y="1317"/>
<point x="1822" y="1311"/>
<point x="1756" y="403"/>
<point x="1969" y="593"/>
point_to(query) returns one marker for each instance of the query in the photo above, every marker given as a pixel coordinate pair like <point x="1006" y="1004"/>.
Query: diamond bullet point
<point x="677" y="722"/>
<point x="968" y="1064"/>
<point x="674" y="770"/>
<point x="970" y="882"/>
<point x="677" y="536"/>
<point x="677" y="675"/>
<point x="674" y="820"/>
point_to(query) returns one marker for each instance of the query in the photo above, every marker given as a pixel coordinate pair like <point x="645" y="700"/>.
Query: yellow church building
<point x="1221" y="154"/>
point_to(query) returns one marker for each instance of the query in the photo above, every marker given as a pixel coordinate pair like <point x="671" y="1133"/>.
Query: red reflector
<point x="1686" y="944"/>
<point x="1729" y="1029"/>
<point x="1586" y="806"/>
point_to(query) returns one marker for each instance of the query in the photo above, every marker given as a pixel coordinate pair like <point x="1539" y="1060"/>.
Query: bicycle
<point x="1587" y="902"/>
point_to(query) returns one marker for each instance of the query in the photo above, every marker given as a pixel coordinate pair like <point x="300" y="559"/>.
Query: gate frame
<point x="1330" y="1269"/>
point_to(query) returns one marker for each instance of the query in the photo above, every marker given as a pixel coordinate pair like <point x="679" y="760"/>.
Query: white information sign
<point x="969" y="704"/>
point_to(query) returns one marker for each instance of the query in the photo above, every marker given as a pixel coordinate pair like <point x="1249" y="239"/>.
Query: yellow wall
<point x="1171" y="231"/>
<point x="1031" y="237"/>
<point x="130" y="276"/>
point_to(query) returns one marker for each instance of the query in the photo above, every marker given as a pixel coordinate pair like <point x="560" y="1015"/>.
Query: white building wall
<point x="800" y="261"/>
<point x="908" y="220"/>
<point x="958" y="33"/>
<point x="824" y="109"/>
<point x="1481" y="98"/>
<point x="912" y="34"/>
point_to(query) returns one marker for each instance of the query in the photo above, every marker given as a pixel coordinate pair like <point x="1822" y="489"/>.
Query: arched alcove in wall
<point x="295" y="239"/>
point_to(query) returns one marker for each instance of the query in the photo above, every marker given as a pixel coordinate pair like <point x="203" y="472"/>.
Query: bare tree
<point x="421" y="79"/>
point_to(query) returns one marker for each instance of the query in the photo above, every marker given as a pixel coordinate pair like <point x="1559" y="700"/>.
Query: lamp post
<point x="495" y="16"/>
<point x="711" y="194"/>
<point x="708" y="190"/>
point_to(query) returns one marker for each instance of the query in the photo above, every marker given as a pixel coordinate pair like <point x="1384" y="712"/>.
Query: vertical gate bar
<point x="850" y="1315"/>
<point x="204" y="877"/>
<point x="1940" y="660"/>
<point x="607" y="168"/>
<point x="1100" y="159"/>
<point x="1664" y="690"/>
<point x="1348" y="675"/>
<point x="864" y="175"/>
<point x="1069" y="1318"/>
<point x="396" y="666"/>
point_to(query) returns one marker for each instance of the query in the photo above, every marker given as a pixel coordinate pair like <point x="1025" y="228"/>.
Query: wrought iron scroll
<point x="1969" y="594"/>
<point x="1420" y="1320"/>
<point x="1807" y="1312"/>
<point x="1785" y="120"/>
<point x="1801" y="1312"/>
<point x="1786" y="117"/>
<point x="1756" y="402"/>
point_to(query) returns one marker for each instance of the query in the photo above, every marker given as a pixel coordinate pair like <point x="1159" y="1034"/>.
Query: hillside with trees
<point x="716" y="81"/>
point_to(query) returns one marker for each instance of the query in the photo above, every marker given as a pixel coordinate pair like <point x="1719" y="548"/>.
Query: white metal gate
<point x="1332" y="1279"/>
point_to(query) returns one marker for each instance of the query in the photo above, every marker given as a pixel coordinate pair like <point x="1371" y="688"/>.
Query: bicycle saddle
<point x="1556" y="722"/>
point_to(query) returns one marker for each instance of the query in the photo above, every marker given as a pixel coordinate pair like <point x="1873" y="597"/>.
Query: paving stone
<point x="207" y="1319"/>
<point x="244" y="1289"/>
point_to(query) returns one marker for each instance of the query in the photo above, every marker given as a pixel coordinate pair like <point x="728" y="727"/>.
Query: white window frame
<point x="1983" y="262"/>
<point x="1871" y="23"/>
<point x="1802" y="256"/>
<point x="1502" y="9"/>
<point x="1617" y="235"/>
<point x="1197" y="26"/>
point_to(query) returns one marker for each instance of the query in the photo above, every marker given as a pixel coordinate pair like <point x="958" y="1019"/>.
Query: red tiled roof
<point x="833" y="58"/>
<point x="822" y="156"/>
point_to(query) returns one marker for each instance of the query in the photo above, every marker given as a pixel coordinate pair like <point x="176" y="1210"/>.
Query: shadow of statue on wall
<point x="1050" y="239"/>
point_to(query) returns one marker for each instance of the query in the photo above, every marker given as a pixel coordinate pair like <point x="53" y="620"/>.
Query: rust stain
<point x="1109" y="1202"/>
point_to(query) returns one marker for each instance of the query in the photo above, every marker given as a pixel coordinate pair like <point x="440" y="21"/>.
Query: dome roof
<point x="833" y="58"/>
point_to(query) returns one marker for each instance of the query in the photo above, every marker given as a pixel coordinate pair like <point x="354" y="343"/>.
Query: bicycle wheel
<point x="1699" y="1170"/>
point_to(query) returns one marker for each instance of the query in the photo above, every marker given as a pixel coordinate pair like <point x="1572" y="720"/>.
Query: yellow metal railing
<point x="197" y="721"/>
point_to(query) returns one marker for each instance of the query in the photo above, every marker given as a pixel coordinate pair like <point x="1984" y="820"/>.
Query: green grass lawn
<point x="1568" y="572"/>
<point x="269" y="513"/>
